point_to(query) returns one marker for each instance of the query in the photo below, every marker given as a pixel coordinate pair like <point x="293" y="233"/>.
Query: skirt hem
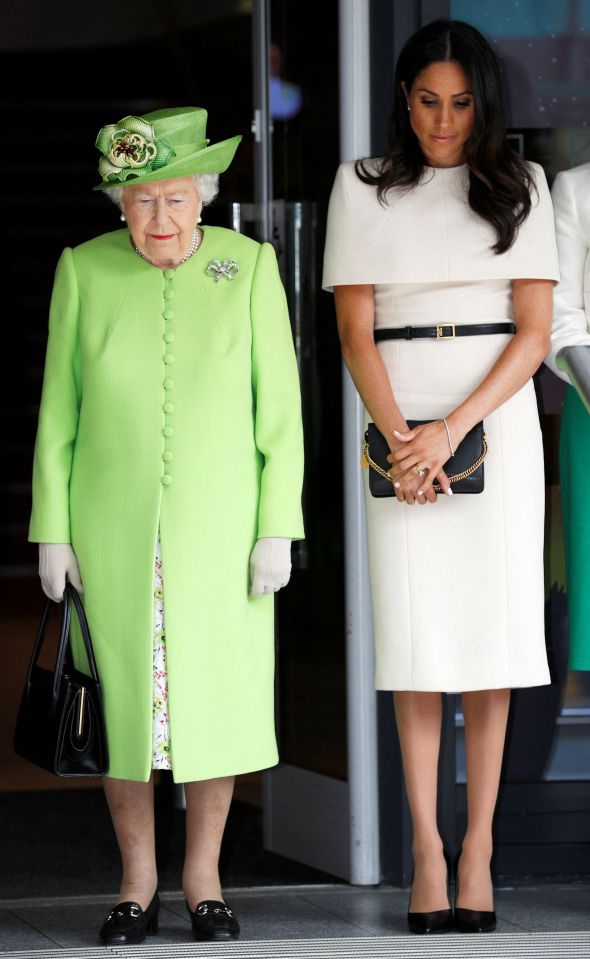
<point x="428" y="688"/>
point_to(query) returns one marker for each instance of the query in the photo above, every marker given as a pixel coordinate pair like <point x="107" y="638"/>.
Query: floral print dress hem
<point x="161" y="748"/>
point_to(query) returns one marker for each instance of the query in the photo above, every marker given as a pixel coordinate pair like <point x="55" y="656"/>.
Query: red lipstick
<point x="162" y="236"/>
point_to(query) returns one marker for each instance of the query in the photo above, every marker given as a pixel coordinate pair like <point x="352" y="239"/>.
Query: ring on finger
<point x="420" y="470"/>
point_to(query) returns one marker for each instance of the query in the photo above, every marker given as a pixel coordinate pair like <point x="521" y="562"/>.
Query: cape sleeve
<point x="534" y="252"/>
<point x="570" y="325"/>
<point x="355" y="220"/>
<point x="337" y="226"/>
<point x="429" y="234"/>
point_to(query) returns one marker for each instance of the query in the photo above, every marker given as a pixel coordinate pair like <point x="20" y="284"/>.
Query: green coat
<point x="171" y="400"/>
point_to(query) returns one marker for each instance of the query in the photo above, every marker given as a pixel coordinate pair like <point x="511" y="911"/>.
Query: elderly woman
<point x="168" y="468"/>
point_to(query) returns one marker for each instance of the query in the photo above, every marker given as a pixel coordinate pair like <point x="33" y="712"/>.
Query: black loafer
<point x="213" y="921"/>
<point x="129" y="923"/>
<point x="474" y="920"/>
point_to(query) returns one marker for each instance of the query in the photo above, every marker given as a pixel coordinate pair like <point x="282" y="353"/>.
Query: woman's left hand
<point x="270" y="565"/>
<point x="419" y="462"/>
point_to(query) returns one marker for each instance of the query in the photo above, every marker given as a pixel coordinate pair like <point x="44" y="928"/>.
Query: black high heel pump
<point x="129" y="923"/>
<point x="471" y="920"/>
<point x="440" y="920"/>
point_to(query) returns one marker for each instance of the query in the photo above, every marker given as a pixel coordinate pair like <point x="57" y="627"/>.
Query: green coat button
<point x="168" y="294"/>
<point x="168" y="456"/>
<point x="166" y="480"/>
<point x="168" y="383"/>
<point x="168" y="337"/>
<point x="168" y="407"/>
<point x="168" y="431"/>
<point x="168" y="274"/>
<point x="169" y="314"/>
<point x="169" y="358"/>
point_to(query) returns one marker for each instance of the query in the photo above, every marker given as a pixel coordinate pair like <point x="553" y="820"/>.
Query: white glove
<point x="270" y="565"/>
<point x="56" y="561"/>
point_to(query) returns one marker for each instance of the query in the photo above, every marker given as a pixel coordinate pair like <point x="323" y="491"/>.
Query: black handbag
<point x="60" y="724"/>
<point x="464" y="469"/>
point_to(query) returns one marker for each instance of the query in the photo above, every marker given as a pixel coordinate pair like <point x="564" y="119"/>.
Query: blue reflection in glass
<point x="522" y="18"/>
<point x="544" y="48"/>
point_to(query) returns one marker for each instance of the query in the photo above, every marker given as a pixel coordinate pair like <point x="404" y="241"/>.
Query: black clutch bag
<point x="60" y="724"/>
<point x="464" y="469"/>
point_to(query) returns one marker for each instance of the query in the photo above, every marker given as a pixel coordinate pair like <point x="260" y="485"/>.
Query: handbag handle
<point x="71" y="598"/>
<point x="71" y="594"/>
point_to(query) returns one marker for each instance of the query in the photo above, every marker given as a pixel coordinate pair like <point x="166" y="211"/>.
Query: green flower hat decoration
<point x="160" y="145"/>
<point x="130" y="148"/>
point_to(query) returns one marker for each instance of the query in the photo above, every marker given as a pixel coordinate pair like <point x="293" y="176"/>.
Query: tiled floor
<point x="286" y="913"/>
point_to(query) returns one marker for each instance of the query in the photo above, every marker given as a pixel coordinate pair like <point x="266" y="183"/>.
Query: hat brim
<point x="211" y="159"/>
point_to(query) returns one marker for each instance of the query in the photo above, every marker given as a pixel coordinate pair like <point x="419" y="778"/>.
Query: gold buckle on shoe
<point x="440" y="331"/>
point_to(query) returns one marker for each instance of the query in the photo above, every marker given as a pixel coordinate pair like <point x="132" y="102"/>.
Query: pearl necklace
<point x="195" y="244"/>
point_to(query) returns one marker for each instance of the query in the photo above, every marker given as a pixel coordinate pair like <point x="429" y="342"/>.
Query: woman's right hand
<point x="411" y="483"/>
<point x="407" y="492"/>
<point x="57" y="561"/>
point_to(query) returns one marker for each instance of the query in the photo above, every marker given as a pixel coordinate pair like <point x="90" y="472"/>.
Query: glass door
<point x="296" y="148"/>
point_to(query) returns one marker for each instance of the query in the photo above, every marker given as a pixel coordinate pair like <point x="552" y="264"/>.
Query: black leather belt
<point x="443" y="331"/>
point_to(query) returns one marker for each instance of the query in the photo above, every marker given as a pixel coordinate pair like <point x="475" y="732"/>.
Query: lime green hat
<point x="159" y="146"/>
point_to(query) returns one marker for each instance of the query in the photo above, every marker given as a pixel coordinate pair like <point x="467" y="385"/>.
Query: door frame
<point x="318" y="820"/>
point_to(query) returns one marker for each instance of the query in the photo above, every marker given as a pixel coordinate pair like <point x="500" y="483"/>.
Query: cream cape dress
<point x="457" y="588"/>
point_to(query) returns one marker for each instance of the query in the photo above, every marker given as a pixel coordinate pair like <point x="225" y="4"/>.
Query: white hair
<point x="206" y="185"/>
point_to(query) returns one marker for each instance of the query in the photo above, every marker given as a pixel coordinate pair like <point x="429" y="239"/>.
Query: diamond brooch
<point x="219" y="268"/>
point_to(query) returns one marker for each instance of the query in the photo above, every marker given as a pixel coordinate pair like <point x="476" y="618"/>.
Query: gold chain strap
<point x="436" y="486"/>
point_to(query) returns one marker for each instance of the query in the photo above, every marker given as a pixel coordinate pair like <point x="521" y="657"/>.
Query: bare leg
<point x="207" y="806"/>
<point x="419" y="718"/>
<point x="486" y="715"/>
<point x="132" y="810"/>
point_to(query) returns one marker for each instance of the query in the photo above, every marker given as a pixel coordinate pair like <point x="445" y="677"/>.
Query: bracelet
<point x="448" y="436"/>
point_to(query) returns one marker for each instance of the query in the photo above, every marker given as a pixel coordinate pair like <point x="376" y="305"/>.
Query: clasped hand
<point x="418" y="462"/>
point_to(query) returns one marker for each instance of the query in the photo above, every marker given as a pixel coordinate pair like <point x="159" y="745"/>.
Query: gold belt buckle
<point x="441" y="327"/>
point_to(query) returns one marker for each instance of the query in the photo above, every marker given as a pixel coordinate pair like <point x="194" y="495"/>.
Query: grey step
<point x="539" y="945"/>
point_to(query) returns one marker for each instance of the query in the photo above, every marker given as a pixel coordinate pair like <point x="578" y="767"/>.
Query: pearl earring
<point x="123" y="218"/>
<point x="199" y="220"/>
<point x="408" y="105"/>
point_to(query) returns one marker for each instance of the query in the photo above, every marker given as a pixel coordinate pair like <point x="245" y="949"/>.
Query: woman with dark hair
<point x="442" y="259"/>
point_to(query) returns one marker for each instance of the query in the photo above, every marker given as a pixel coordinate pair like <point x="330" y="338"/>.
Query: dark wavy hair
<point x="500" y="183"/>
